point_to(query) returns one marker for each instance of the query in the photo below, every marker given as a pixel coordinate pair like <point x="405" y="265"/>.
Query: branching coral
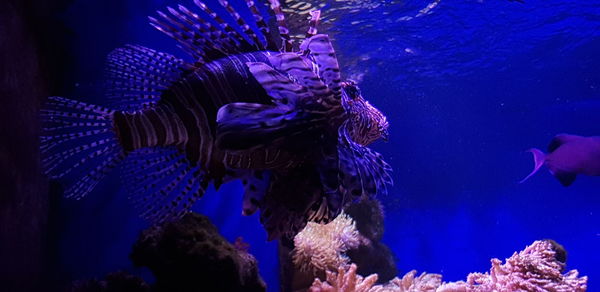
<point x="321" y="247"/>
<point x="345" y="280"/>
<point x="537" y="268"/>
<point x="410" y="283"/>
<point x="348" y="281"/>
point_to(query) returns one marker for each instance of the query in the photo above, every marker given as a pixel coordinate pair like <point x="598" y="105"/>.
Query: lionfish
<point x="251" y="105"/>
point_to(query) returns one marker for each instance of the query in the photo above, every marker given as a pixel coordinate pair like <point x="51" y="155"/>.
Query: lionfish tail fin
<point x="538" y="158"/>
<point x="78" y="144"/>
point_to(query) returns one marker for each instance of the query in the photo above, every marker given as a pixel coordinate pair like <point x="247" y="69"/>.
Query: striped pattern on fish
<point x="273" y="116"/>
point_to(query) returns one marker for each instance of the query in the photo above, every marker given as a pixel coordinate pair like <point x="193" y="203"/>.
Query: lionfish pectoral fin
<point x="321" y="50"/>
<point x="301" y="70"/>
<point x="329" y="173"/>
<point x="281" y="88"/>
<point x="247" y="126"/>
<point x="362" y="171"/>
<point x="162" y="184"/>
<point x="289" y="201"/>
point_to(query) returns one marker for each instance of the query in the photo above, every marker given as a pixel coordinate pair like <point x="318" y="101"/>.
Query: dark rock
<point x="368" y="216"/>
<point x="114" y="282"/>
<point x="30" y="69"/>
<point x="376" y="257"/>
<point x="191" y="255"/>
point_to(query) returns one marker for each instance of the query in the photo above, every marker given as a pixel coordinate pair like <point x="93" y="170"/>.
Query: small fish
<point x="246" y="106"/>
<point x="568" y="156"/>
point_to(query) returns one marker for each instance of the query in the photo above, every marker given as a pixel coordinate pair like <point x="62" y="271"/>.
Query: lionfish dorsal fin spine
<point x="262" y="25"/>
<point x="184" y="41"/>
<point x="207" y="36"/>
<point x="220" y="44"/>
<point x="243" y="44"/>
<point x="315" y="16"/>
<point x="242" y="23"/>
<point x="284" y="32"/>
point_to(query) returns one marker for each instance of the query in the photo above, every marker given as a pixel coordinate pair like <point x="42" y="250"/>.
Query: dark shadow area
<point x="33" y="63"/>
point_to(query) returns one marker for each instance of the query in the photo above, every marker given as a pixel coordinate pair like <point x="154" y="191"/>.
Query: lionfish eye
<point x="351" y="89"/>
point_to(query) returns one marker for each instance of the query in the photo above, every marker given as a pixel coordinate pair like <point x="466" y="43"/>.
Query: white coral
<point x="534" y="269"/>
<point x="344" y="281"/>
<point x="322" y="247"/>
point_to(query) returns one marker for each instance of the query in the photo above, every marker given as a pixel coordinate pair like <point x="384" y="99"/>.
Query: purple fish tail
<point x="539" y="157"/>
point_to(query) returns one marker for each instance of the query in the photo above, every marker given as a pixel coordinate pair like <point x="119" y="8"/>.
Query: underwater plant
<point x="246" y="106"/>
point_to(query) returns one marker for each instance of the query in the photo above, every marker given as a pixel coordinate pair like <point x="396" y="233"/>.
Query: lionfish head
<point x="367" y="123"/>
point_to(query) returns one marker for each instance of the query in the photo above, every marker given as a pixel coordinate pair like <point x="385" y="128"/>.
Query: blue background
<point x="467" y="88"/>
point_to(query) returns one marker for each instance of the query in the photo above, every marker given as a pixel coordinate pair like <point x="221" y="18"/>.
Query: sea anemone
<point x="322" y="247"/>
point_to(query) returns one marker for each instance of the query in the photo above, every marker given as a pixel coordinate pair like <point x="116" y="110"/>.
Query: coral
<point x="537" y="268"/>
<point x="410" y="283"/>
<point x="344" y="281"/>
<point x="321" y="247"/>
<point x="191" y="255"/>
<point x="354" y="238"/>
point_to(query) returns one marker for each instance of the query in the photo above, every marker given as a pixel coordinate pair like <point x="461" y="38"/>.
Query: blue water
<point x="467" y="88"/>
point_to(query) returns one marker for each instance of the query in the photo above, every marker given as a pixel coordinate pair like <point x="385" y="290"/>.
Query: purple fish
<point x="568" y="156"/>
<point x="247" y="104"/>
